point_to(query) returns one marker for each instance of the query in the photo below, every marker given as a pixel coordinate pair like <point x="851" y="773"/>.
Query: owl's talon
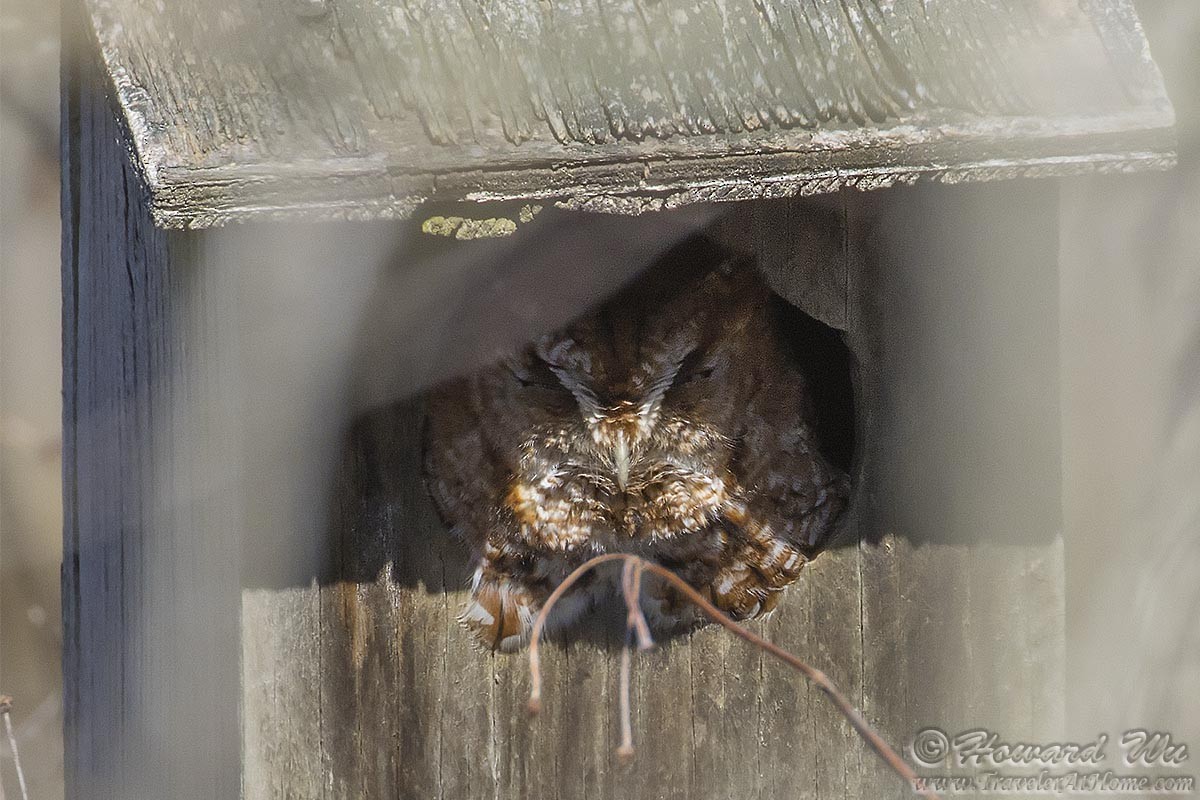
<point x="739" y="608"/>
<point x="750" y="587"/>
<point x="751" y="606"/>
<point x="500" y="615"/>
<point x="769" y="603"/>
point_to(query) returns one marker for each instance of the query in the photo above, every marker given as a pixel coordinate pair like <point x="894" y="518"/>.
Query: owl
<point x="671" y="422"/>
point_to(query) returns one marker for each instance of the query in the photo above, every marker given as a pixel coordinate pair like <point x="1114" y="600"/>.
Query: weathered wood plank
<point x="281" y="682"/>
<point x="963" y="521"/>
<point x="362" y="109"/>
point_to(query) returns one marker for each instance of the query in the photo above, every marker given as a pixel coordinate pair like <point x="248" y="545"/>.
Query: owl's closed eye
<point x="671" y="422"/>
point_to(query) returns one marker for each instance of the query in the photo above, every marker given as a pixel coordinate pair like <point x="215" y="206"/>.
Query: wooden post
<point x="151" y="586"/>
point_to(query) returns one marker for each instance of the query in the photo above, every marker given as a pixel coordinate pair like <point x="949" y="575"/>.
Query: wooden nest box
<point x="259" y="600"/>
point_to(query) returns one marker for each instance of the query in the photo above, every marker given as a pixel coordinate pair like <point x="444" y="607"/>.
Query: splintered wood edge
<point x="195" y="200"/>
<point x="632" y="178"/>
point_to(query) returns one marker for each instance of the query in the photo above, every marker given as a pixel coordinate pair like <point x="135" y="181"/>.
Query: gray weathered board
<point x="243" y="109"/>
<point x="942" y="605"/>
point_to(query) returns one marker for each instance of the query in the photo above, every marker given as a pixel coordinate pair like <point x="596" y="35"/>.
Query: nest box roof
<point x="242" y="109"/>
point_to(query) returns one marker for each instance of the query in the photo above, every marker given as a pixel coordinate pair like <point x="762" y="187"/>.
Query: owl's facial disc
<point x="621" y="429"/>
<point x="618" y="445"/>
<point x="617" y="433"/>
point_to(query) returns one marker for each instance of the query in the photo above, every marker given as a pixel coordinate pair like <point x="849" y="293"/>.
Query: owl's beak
<point x="621" y="460"/>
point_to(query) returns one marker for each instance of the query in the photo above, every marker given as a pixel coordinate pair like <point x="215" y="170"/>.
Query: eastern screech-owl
<point x="671" y="423"/>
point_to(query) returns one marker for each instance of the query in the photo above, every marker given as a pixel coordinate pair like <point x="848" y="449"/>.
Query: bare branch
<point x="6" y="704"/>
<point x="625" y="750"/>
<point x="631" y="579"/>
<point x="633" y="568"/>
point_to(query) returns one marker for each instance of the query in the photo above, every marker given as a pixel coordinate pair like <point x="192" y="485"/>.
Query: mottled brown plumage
<point x="671" y="423"/>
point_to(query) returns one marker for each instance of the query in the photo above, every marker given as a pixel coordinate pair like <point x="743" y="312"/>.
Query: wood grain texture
<point x="940" y="605"/>
<point x="243" y="109"/>
<point x="151" y="595"/>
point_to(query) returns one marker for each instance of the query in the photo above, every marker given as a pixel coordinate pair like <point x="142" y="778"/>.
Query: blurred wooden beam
<point x="151" y="587"/>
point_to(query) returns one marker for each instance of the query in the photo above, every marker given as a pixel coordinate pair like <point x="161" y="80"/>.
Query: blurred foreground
<point x="30" y="377"/>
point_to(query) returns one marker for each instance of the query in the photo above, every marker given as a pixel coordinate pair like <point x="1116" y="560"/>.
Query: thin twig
<point x="822" y="681"/>
<point x="535" y="670"/>
<point x="625" y="750"/>
<point x="6" y="704"/>
<point x="635" y="626"/>
<point x="631" y="580"/>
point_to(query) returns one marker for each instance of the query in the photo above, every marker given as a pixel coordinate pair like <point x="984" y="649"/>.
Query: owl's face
<point x="621" y="428"/>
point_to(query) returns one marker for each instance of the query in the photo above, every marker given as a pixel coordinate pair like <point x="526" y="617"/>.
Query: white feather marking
<point x="474" y="612"/>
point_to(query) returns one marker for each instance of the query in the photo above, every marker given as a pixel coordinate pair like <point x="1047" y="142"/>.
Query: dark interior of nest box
<point x="576" y="262"/>
<point x="826" y="361"/>
<point x="920" y="318"/>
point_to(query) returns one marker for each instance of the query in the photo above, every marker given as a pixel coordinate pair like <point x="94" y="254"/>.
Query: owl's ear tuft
<point x="534" y="374"/>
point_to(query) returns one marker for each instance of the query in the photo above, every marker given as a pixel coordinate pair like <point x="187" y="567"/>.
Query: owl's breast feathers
<point x="575" y="509"/>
